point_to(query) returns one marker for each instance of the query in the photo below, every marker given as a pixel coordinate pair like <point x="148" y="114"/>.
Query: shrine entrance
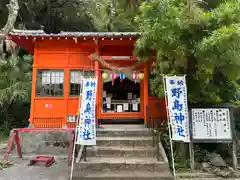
<point x="123" y="89"/>
<point x="121" y="96"/>
<point x="121" y="100"/>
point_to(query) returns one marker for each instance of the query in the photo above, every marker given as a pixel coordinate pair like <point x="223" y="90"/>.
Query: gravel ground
<point x="21" y="171"/>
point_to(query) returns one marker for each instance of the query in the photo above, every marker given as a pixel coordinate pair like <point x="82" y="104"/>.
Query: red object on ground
<point x="15" y="137"/>
<point x="48" y="160"/>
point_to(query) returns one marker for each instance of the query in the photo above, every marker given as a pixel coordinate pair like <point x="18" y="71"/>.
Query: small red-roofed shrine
<point x="60" y="60"/>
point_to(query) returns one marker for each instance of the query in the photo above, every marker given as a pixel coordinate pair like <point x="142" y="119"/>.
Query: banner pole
<point x="73" y="154"/>
<point x="169" y="127"/>
<point x="76" y="129"/>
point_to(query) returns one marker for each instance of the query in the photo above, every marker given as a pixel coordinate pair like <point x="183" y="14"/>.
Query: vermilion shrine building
<point x="60" y="60"/>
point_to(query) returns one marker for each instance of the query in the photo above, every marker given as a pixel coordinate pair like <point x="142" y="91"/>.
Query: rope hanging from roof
<point x="124" y="70"/>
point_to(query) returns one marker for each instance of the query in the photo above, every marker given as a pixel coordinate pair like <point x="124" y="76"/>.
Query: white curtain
<point x="52" y="77"/>
<point x="76" y="77"/>
<point x="46" y="77"/>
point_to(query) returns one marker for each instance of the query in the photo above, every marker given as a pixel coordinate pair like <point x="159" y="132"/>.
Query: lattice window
<point x="50" y="83"/>
<point x="76" y="80"/>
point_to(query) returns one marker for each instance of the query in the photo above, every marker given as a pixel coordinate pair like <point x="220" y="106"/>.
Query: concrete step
<point x="124" y="151"/>
<point x="122" y="126"/>
<point x="122" y="164"/>
<point x="124" y="141"/>
<point x="123" y="175"/>
<point x="143" y="132"/>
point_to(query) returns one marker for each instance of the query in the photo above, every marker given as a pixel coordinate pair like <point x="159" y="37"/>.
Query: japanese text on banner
<point x="177" y="107"/>
<point x="87" y="123"/>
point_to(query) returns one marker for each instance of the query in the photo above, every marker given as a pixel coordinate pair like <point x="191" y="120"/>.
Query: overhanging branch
<point x="13" y="8"/>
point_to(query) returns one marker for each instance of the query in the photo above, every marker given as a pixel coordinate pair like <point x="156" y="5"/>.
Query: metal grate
<point x="71" y="124"/>
<point x="45" y="122"/>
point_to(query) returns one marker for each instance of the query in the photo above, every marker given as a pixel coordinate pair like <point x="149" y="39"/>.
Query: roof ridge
<point x="78" y="34"/>
<point x="26" y="30"/>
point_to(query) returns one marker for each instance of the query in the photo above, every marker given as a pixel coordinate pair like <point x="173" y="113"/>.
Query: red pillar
<point x="66" y="93"/>
<point x="33" y="95"/>
<point x="97" y="74"/>
<point x="145" y="91"/>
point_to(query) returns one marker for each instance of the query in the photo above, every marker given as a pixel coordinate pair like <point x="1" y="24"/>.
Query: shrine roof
<point x="41" y="33"/>
<point x="26" y="38"/>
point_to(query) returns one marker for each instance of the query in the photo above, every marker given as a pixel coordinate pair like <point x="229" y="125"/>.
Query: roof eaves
<point x="73" y="34"/>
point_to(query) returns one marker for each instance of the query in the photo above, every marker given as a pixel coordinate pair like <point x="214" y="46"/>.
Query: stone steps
<point x="124" y="151"/>
<point x="122" y="164"/>
<point x="122" y="126"/>
<point x="143" y="132"/>
<point x="123" y="175"/>
<point x="124" y="141"/>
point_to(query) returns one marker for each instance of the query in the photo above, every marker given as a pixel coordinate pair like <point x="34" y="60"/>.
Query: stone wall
<point x="45" y="142"/>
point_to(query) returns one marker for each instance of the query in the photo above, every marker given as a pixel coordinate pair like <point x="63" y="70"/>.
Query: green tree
<point x="113" y="15"/>
<point x="54" y="16"/>
<point x="201" y="43"/>
<point x="15" y="88"/>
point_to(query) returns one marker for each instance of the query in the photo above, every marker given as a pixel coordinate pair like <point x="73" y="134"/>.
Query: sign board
<point x="87" y="123"/>
<point x="211" y="124"/>
<point x="176" y="92"/>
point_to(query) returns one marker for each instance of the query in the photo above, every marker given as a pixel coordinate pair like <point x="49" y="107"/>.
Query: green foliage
<point x="181" y="162"/>
<point x="202" y="43"/>
<point x="74" y="15"/>
<point x="16" y="78"/>
<point x="111" y="15"/>
<point x="15" y="90"/>
<point x="51" y="15"/>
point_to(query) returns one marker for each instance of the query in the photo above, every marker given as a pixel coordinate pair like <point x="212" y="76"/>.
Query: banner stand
<point x="76" y="132"/>
<point x="80" y="154"/>
<point x="73" y="154"/>
<point x="199" y="125"/>
<point x="85" y="133"/>
<point x="169" y="128"/>
<point x="175" y="92"/>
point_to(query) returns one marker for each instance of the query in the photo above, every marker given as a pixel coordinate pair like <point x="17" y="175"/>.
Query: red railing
<point x="15" y="137"/>
<point x="71" y="124"/>
<point x="46" y="122"/>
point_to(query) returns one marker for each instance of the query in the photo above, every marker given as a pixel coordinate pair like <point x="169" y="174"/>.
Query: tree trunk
<point x="13" y="8"/>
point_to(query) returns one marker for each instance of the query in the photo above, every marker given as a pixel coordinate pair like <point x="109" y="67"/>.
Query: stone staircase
<point x="123" y="152"/>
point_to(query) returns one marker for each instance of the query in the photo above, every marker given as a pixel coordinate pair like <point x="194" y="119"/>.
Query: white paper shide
<point x="176" y="90"/>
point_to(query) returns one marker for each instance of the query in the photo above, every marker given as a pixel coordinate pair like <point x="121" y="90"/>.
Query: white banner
<point x="87" y="124"/>
<point x="177" y="107"/>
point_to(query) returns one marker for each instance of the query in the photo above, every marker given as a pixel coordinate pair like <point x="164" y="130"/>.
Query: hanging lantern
<point x="114" y="76"/>
<point x="122" y="76"/>
<point x="104" y="75"/>
<point x="135" y="76"/>
<point x="141" y="76"/>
